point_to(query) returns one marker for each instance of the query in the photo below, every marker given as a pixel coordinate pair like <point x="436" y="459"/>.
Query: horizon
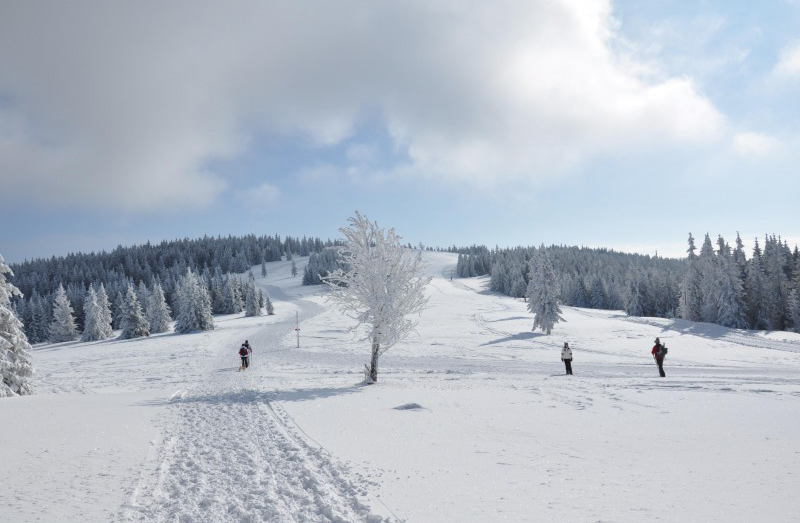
<point x="748" y="246"/>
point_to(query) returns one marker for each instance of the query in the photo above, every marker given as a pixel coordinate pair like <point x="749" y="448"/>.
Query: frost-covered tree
<point x="730" y="309"/>
<point x="268" y="304"/>
<point x="709" y="268"/>
<point x="757" y="313"/>
<point x="158" y="312"/>
<point x="252" y="303"/>
<point x="794" y="309"/>
<point x="16" y="368"/>
<point x="194" y="305"/>
<point x="118" y="309"/>
<point x="634" y="305"/>
<point x="598" y="298"/>
<point x="690" y="296"/>
<point x="96" y="325"/>
<point x="134" y="323"/>
<point x="543" y="293"/>
<point x="382" y="284"/>
<point x="294" y="269"/>
<point x="105" y="310"/>
<point x="233" y="302"/>
<point x="263" y="269"/>
<point x="63" y="327"/>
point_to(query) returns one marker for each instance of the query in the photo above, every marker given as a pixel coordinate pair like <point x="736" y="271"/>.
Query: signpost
<point x="297" y="326"/>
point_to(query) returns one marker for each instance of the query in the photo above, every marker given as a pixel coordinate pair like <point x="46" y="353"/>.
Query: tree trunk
<point x="373" y="369"/>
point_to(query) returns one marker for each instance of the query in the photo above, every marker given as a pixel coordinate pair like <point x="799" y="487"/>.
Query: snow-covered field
<point x="472" y="420"/>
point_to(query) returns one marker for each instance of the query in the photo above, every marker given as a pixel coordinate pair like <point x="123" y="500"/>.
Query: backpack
<point x="243" y="351"/>
<point x="662" y="350"/>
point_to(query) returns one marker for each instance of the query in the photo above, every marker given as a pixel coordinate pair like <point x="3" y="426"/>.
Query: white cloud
<point x="789" y="63"/>
<point x="259" y="199"/>
<point x="754" y="144"/>
<point x="126" y="104"/>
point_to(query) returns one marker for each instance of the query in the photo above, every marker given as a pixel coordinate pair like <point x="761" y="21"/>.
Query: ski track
<point x="234" y="454"/>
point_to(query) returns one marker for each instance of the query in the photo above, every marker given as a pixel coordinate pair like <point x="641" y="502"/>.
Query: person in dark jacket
<point x="566" y="357"/>
<point x="244" y="353"/>
<point x="659" y="352"/>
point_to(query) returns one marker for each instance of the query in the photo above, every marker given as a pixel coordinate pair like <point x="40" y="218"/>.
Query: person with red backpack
<point x="244" y="353"/>
<point x="659" y="352"/>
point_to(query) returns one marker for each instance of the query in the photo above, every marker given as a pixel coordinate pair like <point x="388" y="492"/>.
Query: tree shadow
<point x="512" y="318"/>
<point x="702" y="330"/>
<point x="515" y="337"/>
<point x="249" y="396"/>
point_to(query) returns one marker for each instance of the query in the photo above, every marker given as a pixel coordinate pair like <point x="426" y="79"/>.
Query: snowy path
<point x="233" y="454"/>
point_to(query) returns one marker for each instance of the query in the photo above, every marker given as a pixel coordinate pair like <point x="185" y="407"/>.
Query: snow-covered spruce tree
<point x="134" y="323"/>
<point x="232" y="296"/>
<point x="263" y="269"/>
<point x="690" y="298"/>
<point x="63" y="326"/>
<point x="193" y="304"/>
<point x="252" y="303"/>
<point x="158" y="312"/>
<point x="543" y="292"/>
<point x="118" y="307"/>
<point x="105" y="310"/>
<point x="16" y="368"/>
<point x="96" y="326"/>
<point x="757" y="314"/>
<point x="794" y="309"/>
<point x="730" y="309"/>
<point x="268" y="305"/>
<point x="709" y="269"/>
<point x="382" y="284"/>
<point x="294" y="269"/>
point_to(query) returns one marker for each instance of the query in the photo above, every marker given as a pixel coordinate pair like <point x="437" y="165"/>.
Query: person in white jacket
<point x="566" y="357"/>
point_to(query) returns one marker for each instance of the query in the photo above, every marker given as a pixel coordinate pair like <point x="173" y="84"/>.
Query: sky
<point x="624" y="124"/>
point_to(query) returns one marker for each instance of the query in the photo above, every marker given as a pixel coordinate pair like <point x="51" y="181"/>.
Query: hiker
<point x="658" y="352"/>
<point x="244" y="352"/>
<point x="566" y="357"/>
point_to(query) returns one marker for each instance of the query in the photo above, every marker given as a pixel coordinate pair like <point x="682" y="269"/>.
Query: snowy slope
<point x="488" y="429"/>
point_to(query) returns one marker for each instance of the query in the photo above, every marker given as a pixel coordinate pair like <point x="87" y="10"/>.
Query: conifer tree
<point x="193" y="304"/>
<point x="543" y="292"/>
<point x="263" y="269"/>
<point x="106" y="321"/>
<point x="134" y="323"/>
<point x="252" y="303"/>
<point x="294" y="269"/>
<point x="268" y="305"/>
<point x="708" y="285"/>
<point x="757" y="314"/>
<point x="730" y="312"/>
<point x="63" y="327"/>
<point x="16" y="369"/>
<point x="635" y="302"/>
<point x="94" y="329"/>
<point x="690" y="296"/>
<point x="158" y="312"/>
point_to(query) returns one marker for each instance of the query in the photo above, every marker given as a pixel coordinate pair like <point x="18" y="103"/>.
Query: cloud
<point x="128" y="104"/>
<point x="754" y="144"/>
<point x="788" y="65"/>
<point x="259" y="199"/>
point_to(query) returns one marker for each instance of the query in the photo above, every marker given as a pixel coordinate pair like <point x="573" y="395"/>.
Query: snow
<point x="473" y="420"/>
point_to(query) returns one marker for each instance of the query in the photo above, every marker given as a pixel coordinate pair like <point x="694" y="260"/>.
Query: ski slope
<point x="472" y="420"/>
